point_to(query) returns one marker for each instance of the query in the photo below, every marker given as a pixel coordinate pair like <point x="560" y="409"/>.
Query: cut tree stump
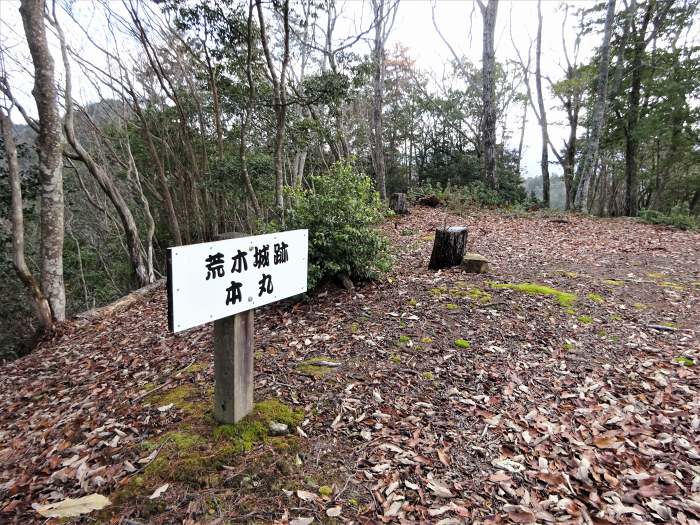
<point x="399" y="203"/>
<point x="448" y="248"/>
<point x="475" y="263"/>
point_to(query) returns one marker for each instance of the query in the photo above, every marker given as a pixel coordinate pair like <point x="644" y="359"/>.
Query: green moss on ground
<point x="196" y="456"/>
<point x="585" y="319"/>
<point x="395" y="358"/>
<point x="183" y="397"/>
<point x="685" y="361"/>
<point x="596" y="298"/>
<point x="479" y="296"/>
<point x="404" y="339"/>
<point x="451" y="306"/>
<point x="613" y="282"/>
<point x="309" y="368"/>
<point x="563" y="298"/>
<point x="354" y="327"/>
<point x="426" y="340"/>
<point x="462" y="343"/>
<point x="194" y="368"/>
<point x="672" y="286"/>
<point x="428" y="376"/>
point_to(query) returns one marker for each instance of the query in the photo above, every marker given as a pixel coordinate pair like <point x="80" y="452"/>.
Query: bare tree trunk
<point x="590" y="155"/>
<point x="490" y="111"/>
<point x="544" y="161"/>
<point x="39" y="303"/>
<point x="243" y="147"/>
<point x="378" y="98"/>
<point x="522" y="134"/>
<point x="279" y="87"/>
<point x="50" y="150"/>
<point x="144" y="275"/>
<point x="631" y="132"/>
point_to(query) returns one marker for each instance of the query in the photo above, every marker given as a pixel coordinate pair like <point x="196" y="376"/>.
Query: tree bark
<point x="631" y="132"/>
<point x="50" y="149"/>
<point x="590" y="155"/>
<point x="378" y="98"/>
<point x="40" y="304"/>
<point x="279" y="89"/>
<point x="448" y="247"/>
<point x="144" y="274"/>
<point x="544" y="160"/>
<point x="490" y="111"/>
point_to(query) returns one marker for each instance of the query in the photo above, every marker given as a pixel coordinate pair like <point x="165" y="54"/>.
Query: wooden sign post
<point x="224" y="281"/>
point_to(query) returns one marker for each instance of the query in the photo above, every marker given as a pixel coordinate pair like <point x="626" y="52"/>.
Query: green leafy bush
<point x="340" y="210"/>
<point x="678" y="217"/>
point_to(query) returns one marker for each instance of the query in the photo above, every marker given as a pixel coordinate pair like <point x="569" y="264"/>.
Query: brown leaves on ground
<point x="581" y="414"/>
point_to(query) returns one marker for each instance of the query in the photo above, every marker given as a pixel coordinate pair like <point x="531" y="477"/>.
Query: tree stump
<point x="399" y="203"/>
<point x="448" y="248"/>
<point x="475" y="263"/>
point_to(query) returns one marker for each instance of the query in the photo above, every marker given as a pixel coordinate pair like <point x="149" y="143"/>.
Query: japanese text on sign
<point x="212" y="280"/>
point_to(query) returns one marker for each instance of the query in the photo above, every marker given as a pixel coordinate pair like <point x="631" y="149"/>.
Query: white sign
<point x="212" y="280"/>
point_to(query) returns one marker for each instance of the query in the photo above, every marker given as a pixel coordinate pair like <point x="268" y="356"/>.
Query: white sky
<point x="413" y="29"/>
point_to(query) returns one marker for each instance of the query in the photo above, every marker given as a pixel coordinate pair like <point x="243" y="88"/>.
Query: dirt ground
<point x="455" y="399"/>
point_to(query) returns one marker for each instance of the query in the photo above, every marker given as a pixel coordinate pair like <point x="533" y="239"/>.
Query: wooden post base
<point x="233" y="367"/>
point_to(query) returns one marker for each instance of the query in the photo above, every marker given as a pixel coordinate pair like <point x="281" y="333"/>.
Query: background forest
<point x="207" y="117"/>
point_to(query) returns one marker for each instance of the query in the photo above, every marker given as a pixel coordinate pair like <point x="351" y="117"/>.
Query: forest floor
<point x="551" y="408"/>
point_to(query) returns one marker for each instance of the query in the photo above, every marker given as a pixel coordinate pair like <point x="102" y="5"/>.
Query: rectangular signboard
<point x="212" y="280"/>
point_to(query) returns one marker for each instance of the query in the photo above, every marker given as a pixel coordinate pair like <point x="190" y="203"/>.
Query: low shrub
<point x="340" y="209"/>
<point x="677" y="217"/>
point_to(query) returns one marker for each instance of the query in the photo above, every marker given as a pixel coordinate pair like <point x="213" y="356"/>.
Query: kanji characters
<point x="281" y="255"/>
<point x="239" y="262"/>
<point x="262" y="256"/>
<point x="215" y="266"/>
<point x="233" y="293"/>
<point x="265" y="284"/>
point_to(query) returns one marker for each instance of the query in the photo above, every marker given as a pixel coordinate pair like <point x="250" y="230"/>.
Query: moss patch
<point x="462" y="343"/>
<point x="613" y="282"/>
<point x="451" y="306"/>
<point x="194" y="368"/>
<point x="570" y="275"/>
<point x="596" y="298"/>
<point x="685" y="361"/>
<point x="585" y="319"/>
<point x="311" y="368"/>
<point x="395" y="358"/>
<point x="426" y="340"/>
<point x="672" y="285"/>
<point x="563" y="298"/>
<point x="479" y="296"/>
<point x="195" y="457"/>
<point x="183" y="397"/>
<point x="438" y="291"/>
<point x="428" y="376"/>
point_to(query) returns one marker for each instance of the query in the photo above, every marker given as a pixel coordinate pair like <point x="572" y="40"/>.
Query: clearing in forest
<point x="561" y="386"/>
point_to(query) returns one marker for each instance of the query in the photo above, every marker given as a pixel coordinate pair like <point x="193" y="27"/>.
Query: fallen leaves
<point x="543" y="420"/>
<point x="70" y="508"/>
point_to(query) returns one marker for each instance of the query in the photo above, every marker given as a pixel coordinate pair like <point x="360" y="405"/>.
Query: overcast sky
<point x="459" y="22"/>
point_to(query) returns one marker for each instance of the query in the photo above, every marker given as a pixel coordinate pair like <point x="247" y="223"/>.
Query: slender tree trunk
<point x="378" y="98"/>
<point x="50" y="150"/>
<point x="631" y="132"/>
<point x="544" y="161"/>
<point x="590" y="155"/>
<point x="279" y="87"/>
<point x="39" y="303"/>
<point x="144" y="275"/>
<point x="522" y="134"/>
<point x="490" y="111"/>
